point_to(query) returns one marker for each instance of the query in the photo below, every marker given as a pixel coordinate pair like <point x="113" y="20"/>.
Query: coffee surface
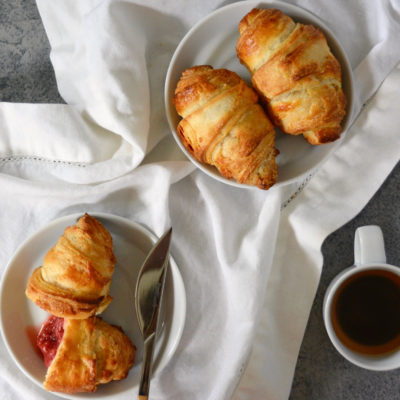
<point x="366" y="312"/>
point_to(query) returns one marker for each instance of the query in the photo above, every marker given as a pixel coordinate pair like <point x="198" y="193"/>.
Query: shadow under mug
<point x="369" y="255"/>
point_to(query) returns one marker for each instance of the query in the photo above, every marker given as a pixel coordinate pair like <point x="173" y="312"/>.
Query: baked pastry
<point x="295" y="73"/>
<point x="74" y="280"/>
<point x="223" y="125"/>
<point x="85" y="354"/>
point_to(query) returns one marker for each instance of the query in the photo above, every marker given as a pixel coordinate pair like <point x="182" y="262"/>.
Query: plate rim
<point x="177" y="279"/>
<point x="247" y="4"/>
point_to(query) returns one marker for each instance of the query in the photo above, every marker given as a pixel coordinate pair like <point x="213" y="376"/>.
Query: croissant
<point x="223" y="125"/>
<point x="295" y="73"/>
<point x="75" y="278"/>
<point x="81" y="354"/>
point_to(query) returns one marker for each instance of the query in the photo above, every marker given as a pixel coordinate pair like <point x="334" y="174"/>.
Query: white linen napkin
<point x="107" y="150"/>
<point x="336" y="194"/>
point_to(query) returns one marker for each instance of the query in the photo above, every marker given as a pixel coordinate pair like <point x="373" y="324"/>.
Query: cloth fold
<point x="108" y="149"/>
<point x="333" y="198"/>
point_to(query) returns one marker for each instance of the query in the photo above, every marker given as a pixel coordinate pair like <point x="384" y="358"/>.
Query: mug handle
<point x="369" y="247"/>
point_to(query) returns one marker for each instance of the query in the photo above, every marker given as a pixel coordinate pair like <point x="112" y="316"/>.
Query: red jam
<point x="49" y="338"/>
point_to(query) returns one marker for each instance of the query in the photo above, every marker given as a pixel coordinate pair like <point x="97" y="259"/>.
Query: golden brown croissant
<point x="81" y="354"/>
<point x="295" y="73"/>
<point x="75" y="278"/>
<point x="223" y="125"/>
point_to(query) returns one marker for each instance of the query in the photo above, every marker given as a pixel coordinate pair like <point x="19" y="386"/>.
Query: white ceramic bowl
<point x="132" y="242"/>
<point x="212" y="41"/>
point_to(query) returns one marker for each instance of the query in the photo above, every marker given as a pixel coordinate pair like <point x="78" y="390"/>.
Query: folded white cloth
<point x="336" y="194"/>
<point x="107" y="150"/>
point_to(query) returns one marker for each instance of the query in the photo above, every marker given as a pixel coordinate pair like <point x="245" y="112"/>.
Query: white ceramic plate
<point x="212" y="41"/>
<point x="132" y="242"/>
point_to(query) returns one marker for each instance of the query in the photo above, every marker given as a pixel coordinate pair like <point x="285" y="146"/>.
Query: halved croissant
<point x="75" y="279"/>
<point x="295" y="73"/>
<point x="90" y="352"/>
<point x="223" y="125"/>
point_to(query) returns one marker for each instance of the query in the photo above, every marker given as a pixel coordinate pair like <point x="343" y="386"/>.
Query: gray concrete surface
<point x="26" y="75"/>
<point x="321" y="372"/>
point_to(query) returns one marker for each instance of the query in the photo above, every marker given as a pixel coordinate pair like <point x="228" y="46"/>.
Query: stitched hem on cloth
<point x="298" y="190"/>
<point x="41" y="160"/>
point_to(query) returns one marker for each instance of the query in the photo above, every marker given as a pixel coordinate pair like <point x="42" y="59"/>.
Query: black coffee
<point x="366" y="312"/>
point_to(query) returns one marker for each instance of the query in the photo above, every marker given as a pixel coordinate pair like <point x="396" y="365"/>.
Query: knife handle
<point x="144" y="385"/>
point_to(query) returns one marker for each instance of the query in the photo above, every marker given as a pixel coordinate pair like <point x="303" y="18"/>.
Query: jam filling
<point x="49" y="338"/>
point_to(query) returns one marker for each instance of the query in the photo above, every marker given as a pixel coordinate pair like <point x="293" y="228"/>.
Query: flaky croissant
<point x="223" y="125"/>
<point x="87" y="353"/>
<point x="295" y="73"/>
<point x="74" y="280"/>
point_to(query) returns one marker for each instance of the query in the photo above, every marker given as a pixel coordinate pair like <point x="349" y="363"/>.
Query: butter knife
<point x="148" y="297"/>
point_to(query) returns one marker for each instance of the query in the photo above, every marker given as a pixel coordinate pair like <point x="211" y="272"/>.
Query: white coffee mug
<point x="369" y="254"/>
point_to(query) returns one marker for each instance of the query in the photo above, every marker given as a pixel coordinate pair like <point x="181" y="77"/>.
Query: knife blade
<point x="148" y="299"/>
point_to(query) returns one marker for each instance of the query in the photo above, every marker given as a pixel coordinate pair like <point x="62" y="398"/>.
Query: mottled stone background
<point x="26" y="75"/>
